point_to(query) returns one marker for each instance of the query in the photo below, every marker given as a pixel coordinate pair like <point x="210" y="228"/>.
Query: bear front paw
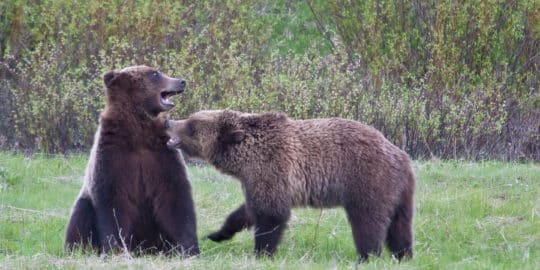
<point x="218" y="236"/>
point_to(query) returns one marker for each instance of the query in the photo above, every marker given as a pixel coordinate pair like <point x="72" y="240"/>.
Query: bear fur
<point x="284" y="163"/>
<point x="136" y="195"/>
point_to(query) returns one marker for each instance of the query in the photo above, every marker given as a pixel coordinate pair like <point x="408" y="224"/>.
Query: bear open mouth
<point x="166" y="95"/>
<point x="173" y="142"/>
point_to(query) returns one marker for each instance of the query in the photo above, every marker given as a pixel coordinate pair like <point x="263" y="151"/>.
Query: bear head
<point x="209" y="135"/>
<point x="205" y="132"/>
<point x="142" y="88"/>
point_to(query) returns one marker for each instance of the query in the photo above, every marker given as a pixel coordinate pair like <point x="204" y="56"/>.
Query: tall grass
<point x="468" y="216"/>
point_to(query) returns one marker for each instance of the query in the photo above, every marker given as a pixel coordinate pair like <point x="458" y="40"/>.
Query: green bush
<point x="438" y="78"/>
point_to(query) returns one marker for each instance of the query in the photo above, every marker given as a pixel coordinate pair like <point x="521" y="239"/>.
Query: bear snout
<point x="178" y="85"/>
<point x="182" y="84"/>
<point x="173" y="142"/>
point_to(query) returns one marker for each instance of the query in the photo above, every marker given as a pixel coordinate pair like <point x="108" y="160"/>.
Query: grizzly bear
<point x="283" y="163"/>
<point x="136" y="195"/>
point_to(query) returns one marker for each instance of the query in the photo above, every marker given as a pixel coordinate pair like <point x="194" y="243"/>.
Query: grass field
<point x="482" y="215"/>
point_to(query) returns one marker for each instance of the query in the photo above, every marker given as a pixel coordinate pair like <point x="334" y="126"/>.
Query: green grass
<point x="482" y="215"/>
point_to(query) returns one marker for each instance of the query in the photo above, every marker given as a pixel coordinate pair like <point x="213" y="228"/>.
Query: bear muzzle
<point x="173" y="142"/>
<point x="175" y="87"/>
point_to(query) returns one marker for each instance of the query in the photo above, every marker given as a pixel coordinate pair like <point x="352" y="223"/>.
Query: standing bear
<point x="136" y="194"/>
<point x="284" y="163"/>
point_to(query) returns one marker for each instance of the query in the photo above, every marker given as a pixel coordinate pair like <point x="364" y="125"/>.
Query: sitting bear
<point x="283" y="163"/>
<point x="136" y="194"/>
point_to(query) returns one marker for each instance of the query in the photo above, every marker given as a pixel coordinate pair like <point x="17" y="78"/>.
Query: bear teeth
<point x="166" y="101"/>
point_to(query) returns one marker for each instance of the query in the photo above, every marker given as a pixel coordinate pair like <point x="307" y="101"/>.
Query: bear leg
<point x="268" y="232"/>
<point x="238" y="220"/>
<point x="81" y="230"/>
<point x="114" y="226"/>
<point x="368" y="229"/>
<point x="399" y="238"/>
<point x="176" y="216"/>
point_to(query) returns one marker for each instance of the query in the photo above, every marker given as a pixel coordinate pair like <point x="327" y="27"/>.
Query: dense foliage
<point x="450" y="79"/>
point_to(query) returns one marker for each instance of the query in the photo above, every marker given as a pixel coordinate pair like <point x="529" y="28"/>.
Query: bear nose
<point x="182" y="83"/>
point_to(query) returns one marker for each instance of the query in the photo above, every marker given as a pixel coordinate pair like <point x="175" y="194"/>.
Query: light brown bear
<point x="136" y="194"/>
<point x="284" y="163"/>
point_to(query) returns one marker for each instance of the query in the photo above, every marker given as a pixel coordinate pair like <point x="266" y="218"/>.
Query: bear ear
<point x="233" y="136"/>
<point x="108" y="78"/>
<point x="237" y="136"/>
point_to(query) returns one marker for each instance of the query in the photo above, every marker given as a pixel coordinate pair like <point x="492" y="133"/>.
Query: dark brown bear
<point x="136" y="194"/>
<point x="284" y="163"/>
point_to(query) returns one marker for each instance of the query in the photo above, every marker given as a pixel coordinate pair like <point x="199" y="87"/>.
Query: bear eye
<point x="155" y="75"/>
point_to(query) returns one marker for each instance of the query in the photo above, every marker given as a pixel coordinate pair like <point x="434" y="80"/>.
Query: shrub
<point x="438" y="78"/>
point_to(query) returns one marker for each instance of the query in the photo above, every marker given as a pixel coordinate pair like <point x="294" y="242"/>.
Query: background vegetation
<point x="449" y="79"/>
<point x="483" y="215"/>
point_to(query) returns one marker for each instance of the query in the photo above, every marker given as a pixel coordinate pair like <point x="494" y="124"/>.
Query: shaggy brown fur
<point x="284" y="163"/>
<point x="136" y="194"/>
